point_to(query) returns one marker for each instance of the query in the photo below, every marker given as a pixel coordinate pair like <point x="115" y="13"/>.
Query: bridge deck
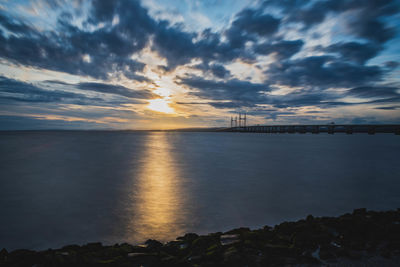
<point x="326" y="128"/>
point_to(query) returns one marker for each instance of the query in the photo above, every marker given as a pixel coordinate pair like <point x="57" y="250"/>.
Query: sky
<point x="161" y="64"/>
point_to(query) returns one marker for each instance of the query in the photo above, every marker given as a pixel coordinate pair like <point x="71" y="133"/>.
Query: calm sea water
<point x="59" y="188"/>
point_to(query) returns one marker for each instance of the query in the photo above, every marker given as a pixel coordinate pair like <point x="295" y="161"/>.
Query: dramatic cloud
<point x="274" y="59"/>
<point x="117" y="90"/>
<point x="21" y="91"/>
<point x="366" y="15"/>
<point x="254" y="21"/>
<point x="322" y="71"/>
<point x="375" y="91"/>
<point x="83" y="52"/>
<point x="355" y="52"/>
<point x="282" y="49"/>
<point x="243" y="92"/>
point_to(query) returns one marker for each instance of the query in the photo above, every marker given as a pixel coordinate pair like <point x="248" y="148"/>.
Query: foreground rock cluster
<point x="363" y="238"/>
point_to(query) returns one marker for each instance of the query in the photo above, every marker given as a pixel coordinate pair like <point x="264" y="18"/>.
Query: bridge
<point x="316" y="129"/>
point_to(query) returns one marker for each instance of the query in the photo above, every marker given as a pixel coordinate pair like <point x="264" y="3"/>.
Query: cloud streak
<point x="282" y="55"/>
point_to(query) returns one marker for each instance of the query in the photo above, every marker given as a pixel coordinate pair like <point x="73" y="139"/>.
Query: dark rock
<point x="267" y="228"/>
<point x="362" y="211"/>
<point x="204" y="242"/>
<point x="351" y="238"/>
<point x="231" y="255"/>
<point x="153" y="244"/>
<point x="229" y="239"/>
<point x="92" y="246"/>
<point x="71" y="247"/>
<point x="238" y="231"/>
<point x="189" y="237"/>
<point x="3" y="253"/>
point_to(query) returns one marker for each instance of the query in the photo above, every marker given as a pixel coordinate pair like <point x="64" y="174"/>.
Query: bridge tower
<point x="233" y="121"/>
<point x="242" y="120"/>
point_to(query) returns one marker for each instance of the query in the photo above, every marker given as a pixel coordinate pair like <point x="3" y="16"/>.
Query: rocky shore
<point x="362" y="238"/>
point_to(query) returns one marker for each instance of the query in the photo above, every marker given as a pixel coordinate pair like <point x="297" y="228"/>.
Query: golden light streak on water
<point x="159" y="204"/>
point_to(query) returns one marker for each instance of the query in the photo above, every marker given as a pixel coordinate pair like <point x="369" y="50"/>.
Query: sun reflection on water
<point x="158" y="207"/>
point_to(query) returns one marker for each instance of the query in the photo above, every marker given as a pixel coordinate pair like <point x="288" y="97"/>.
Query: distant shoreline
<point x="362" y="237"/>
<point x="279" y="128"/>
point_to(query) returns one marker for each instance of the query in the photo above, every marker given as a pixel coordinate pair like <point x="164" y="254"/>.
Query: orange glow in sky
<point x="160" y="105"/>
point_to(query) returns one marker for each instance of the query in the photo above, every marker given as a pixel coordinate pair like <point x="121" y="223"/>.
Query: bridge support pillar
<point x="371" y="130"/>
<point x="315" y="130"/>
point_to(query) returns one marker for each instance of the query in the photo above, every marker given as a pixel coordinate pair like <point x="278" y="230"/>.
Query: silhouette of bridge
<point x="321" y="128"/>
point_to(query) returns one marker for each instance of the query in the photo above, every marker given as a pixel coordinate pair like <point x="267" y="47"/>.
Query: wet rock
<point x="204" y="242"/>
<point x="267" y="228"/>
<point x="125" y="248"/>
<point x="3" y="254"/>
<point x="137" y="254"/>
<point x="351" y="238"/>
<point x="183" y="246"/>
<point x="231" y="255"/>
<point x="327" y="254"/>
<point x="189" y="237"/>
<point x="153" y="244"/>
<point x="362" y="211"/>
<point x="195" y="258"/>
<point x="238" y="231"/>
<point x="71" y="248"/>
<point x="93" y="246"/>
<point x="309" y="218"/>
<point x="229" y="239"/>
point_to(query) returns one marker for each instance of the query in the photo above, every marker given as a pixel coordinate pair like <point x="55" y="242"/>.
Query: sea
<point x="74" y="187"/>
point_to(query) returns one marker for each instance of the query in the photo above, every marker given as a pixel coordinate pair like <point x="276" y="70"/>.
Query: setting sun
<point x="160" y="105"/>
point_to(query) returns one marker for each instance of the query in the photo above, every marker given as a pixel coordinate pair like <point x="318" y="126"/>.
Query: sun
<point x="160" y="105"/>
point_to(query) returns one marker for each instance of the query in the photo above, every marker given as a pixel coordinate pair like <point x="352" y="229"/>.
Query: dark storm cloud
<point x="305" y="98"/>
<point x="275" y="114"/>
<point x="217" y="70"/>
<point x="236" y="94"/>
<point x="116" y="30"/>
<point x="375" y="91"/>
<point x="76" y="51"/>
<point x="240" y="94"/>
<point x="283" y="49"/>
<point x="365" y="22"/>
<point x="322" y="71"/>
<point x="248" y="25"/>
<point x="254" y="21"/>
<point x="233" y="89"/>
<point x="15" y="90"/>
<point x="13" y="25"/>
<point x="388" y="108"/>
<point x="117" y="90"/>
<point x="108" y="49"/>
<point x="356" y="52"/>
<point x="67" y="54"/>
<point x="174" y="44"/>
<point x="26" y="92"/>
<point x="391" y="64"/>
